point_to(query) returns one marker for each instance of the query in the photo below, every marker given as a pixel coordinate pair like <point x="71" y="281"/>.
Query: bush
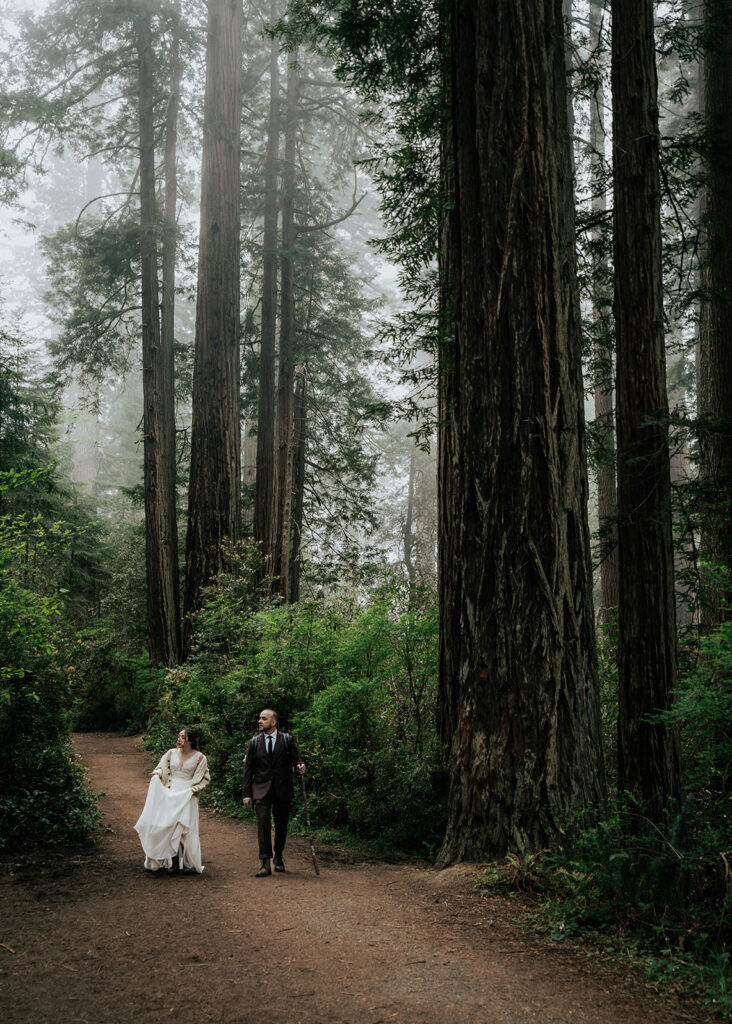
<point x="43" y="797"/>
<point x="355" y="682"/>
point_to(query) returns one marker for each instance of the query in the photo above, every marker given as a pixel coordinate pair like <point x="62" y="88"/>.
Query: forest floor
<point x="91" y="936"/>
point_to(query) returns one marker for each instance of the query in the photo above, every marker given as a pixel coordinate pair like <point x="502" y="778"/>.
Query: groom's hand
<point x="247" y="801"/>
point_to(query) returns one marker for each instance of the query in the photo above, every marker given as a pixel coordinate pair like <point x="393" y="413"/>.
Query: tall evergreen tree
<point x="603" y="351"/>
<point x="214" y="500"/>
<point x="265" y="459"/>
<point x="161" y="531"/>
<point x="648" y="754"/>
<point x="518" y="685"/>
<point x="715" y="334"/>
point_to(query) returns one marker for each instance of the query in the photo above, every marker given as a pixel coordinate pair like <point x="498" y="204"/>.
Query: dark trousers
<point x="267" y="808"/>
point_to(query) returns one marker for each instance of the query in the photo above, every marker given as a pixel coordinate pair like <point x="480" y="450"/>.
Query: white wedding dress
<point x="168" y="824"/>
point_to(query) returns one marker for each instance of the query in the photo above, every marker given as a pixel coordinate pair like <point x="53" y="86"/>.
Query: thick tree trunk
<point x="520" y="705"/>
<point x="282" y="502"/>
<point x="648" y="753"/>
<point x="601" y="306"/>
<point x="409" y="543"/>
<point x="449" y="583"/>
<point x="161" y="534"/>
<point x="264" y="484"/>
<point x="300" y="421"/>
<point x="715" y="330"/>
<point x="214" y="508"/>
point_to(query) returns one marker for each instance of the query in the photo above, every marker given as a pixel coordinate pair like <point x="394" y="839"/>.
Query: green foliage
<point x="354" y="681"/>
<point x="703" y="711"/>
<point x="43" y="797"/>
<point x="663" y="892"/>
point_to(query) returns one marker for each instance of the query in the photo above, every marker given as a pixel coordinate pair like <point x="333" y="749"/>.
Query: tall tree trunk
<point x="715" y="329"/>
<point x="522" y="711"/>
<point x="282" y="502"/>
<point x="214" y="507"/>
<point x="264" y="482"/>
<point x="449" y="582"/>
<point x="648" y="753"/>
<point x="300" y="421"/>
<point x="409" y="544"/>
<point x="601" y="306"/>
<point x="161" y="535"/>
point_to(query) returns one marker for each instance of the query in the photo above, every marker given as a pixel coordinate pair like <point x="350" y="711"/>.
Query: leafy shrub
<point x="355" y="682"/>
<point x="43" y="797"/>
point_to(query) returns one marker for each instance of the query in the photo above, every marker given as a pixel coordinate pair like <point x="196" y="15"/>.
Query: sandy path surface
<point x="93" y="937"/>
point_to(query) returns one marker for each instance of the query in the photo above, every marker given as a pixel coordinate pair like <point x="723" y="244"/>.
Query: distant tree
<point x="265" y="457"/>
<point x="158" y="383"/>
<point x="715" y="335"/>
<point x="602" y="331"/>
<point x="214" y="497"/>
<point x="519" y="707"/>
<point x="648" y="756"/>
<point x="101" y="67"/>
<point x="282" y="504"/>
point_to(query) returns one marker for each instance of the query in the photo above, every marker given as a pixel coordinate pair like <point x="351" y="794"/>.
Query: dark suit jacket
<point x="261" y="773"/>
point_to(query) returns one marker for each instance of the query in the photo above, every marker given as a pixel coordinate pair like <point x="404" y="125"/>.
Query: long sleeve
<point x="201" y="776"/>
<point x="295" y="758"/>
<point x="247" y="772"/>
<point x="163" y="767"/>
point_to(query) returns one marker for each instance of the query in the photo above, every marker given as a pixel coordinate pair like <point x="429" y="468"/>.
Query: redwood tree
<point x="264" y="481"/>
<point x="601" y="303"/>
<point x="648" y="753"/>
<point x="161" y="533"/>
<point x="715" y="333"/>
<point x="518" y="678"/>
<point x="282" y="500"/>
<point x="214" y="507"/>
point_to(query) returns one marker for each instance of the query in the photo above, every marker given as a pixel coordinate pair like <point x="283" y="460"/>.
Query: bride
<point x="168" y="825"/>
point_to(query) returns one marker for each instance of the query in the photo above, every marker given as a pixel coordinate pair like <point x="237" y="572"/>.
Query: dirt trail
<point x="96" y="938"/>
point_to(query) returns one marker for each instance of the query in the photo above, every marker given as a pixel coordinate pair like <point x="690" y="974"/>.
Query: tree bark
<point x="715" y="329"/>
<point x="603" y="392"/>
<point x="648" y="753"/>
<point x="214" y="507"/>
<point x="300" y="421"/>
<point x="161" y="534"/>
<point x="519" y="700"/>
<point x="282" y="501"/>
<point x="409" y="543"/>
<point x="449" y="582"/>
<point x="264" y="481"/>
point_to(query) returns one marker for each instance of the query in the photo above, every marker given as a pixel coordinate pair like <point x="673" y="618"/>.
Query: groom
<point x="267" y="781"/>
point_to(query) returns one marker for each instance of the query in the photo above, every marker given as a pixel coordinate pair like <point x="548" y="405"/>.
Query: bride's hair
<point x="192" y="736"/>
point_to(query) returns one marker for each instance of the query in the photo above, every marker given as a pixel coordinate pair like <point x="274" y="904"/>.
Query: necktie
<point x="269" y="746"/>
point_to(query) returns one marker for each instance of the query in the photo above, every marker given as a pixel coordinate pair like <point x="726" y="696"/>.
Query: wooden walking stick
<point x="310" y="831"/>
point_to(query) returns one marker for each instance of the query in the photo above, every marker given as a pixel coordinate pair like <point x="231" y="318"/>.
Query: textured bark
<point x="449" y="583"/>
<point x="214" y="507"/>
<point x="715" y="333"/>
<point x="607" y="499"/>
<point x="519" y="701"/>
<point x="264" y="486"/>
<point x="161" y="534"/>
<point x="299" y="445"/>
<point x="409" y="543"/>
<point x="282" y="501"/>
<point x="648" y="754"/>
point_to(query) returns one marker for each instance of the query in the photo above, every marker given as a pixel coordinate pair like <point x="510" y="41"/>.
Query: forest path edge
<point x="93" y="937"/>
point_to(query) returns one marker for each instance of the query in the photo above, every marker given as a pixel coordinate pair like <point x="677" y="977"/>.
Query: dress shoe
<point x="174" y="866"/>
<point x="279" y="864"/>
<point x="264" y="870"/>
